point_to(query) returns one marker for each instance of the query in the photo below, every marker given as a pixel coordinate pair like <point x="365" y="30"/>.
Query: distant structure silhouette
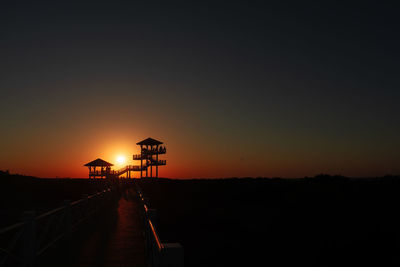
<point x="150" y="149"/>
<point x="105" y="168"/>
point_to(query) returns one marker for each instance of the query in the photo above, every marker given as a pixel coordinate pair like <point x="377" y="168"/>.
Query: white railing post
<point x="100" y="200"/>
<point x="29" y="238"/>
<point x="148" y="241"/>
<point x="68" y="218"/>
<point x="172" y="255"/>
<point x="85" y="205"/>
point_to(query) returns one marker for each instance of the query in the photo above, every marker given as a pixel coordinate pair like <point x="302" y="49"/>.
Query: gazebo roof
<point x="99" y="162"/>
<point x="149" y="142"/>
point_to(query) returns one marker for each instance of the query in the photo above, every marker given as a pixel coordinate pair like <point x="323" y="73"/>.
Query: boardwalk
<point x="125" y="244"/>
<point x="114" y="239"/>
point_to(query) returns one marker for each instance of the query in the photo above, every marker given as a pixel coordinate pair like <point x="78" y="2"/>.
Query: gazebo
<point x="105" y="168"/>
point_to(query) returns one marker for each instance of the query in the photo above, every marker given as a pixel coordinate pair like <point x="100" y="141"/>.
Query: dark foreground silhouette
<point x="321" y="221"/>
<point x="22" y="193"/>
<point x="110" y="236"/>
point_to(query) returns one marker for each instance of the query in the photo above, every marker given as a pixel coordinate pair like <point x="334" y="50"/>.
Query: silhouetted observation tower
<point x="149" y="151"/>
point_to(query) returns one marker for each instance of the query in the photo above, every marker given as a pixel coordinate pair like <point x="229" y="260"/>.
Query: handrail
<point x="159" y="254"/>
<point x="155" y="235"/>
<point x="77" y="201"/>
<point x="38" y="233"/>
<point x="11" y="227"/>
<point x="49" y="213"/>
<point x="128" y="168"/>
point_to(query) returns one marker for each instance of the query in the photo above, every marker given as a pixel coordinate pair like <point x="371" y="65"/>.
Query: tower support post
<point x="157" y="165"/>
<point x="141" y="161"/>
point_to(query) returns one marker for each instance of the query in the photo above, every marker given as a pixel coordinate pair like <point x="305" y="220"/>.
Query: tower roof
<point x="149" y="142"/>
<point x="99" y="162"/>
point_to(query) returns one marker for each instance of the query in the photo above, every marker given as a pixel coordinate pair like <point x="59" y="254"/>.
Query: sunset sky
<point x="233" y="88"/>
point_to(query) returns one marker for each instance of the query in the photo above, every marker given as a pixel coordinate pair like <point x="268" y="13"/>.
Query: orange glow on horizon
<point x="185" y="158"/>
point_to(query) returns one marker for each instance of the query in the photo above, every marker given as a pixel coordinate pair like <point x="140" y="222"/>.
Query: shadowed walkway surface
<point x="112" y="239"/>
<point x="124" y="245"/>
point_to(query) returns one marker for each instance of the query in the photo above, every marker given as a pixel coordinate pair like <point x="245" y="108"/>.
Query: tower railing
<point x="100" y="173"/>
<point x="153" y="151"/>
<point x="158" y="162"/>
<point x="138" y="157"/>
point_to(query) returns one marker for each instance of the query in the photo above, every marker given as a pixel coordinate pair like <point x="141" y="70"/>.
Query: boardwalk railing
<point x="158" y="254"/>
<point x="22" y="243"/>
<point x="128" y="168"/>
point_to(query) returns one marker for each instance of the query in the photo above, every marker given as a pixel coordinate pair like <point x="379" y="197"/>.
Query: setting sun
<point x="121" y="159"/>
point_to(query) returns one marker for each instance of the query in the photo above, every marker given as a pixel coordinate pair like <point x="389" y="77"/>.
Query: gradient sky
<point x="268" y="88"/>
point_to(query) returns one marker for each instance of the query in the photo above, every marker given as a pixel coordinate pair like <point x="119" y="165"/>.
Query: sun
<point x="121" y="159"/>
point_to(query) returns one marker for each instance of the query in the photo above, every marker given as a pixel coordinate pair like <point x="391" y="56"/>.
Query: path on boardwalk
<point x="123" y="245"/>
<point x="112" y="239"/>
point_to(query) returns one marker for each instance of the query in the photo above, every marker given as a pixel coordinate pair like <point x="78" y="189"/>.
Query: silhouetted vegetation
<point x="320" y="221"/>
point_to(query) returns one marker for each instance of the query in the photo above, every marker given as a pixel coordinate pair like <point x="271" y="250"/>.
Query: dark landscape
<point x="319" y="221"/>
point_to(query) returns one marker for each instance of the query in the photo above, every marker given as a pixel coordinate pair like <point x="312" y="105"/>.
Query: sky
<point x="233" y="89"/>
